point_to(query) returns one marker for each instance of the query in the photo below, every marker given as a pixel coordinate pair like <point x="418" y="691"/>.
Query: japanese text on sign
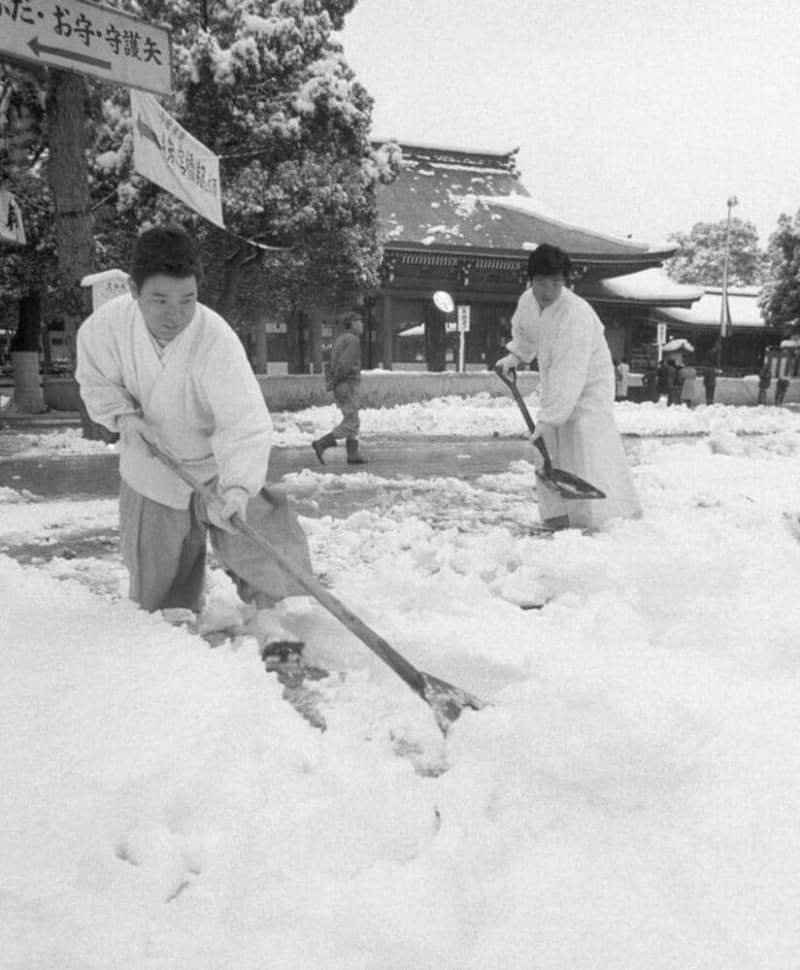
<point x="83" y="37"/>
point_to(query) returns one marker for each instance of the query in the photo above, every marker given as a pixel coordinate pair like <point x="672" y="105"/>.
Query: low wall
<point x="388" y="388"/>
<point x="61" y="393"/>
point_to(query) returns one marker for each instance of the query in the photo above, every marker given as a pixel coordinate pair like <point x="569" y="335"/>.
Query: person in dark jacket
<point x="710" y="383"/>
<point x="688" y="380"/>
<point x="344" y="379"/>
<point x="650" y="383"/>
<point x="673" y="383"/>
<point x="764" y="381"/>
<point x="663" y="379"/>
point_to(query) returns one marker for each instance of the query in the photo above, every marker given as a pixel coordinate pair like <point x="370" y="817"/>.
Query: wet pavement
<point x="409" y="456"/>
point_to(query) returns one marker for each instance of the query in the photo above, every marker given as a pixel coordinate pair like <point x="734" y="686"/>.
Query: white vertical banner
<point x="11" y="227"/>
<point x="661" y="338"/>
<point x="169" y="156"/>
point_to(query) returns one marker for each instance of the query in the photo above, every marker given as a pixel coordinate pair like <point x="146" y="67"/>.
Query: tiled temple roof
<point x="473" y="203"/>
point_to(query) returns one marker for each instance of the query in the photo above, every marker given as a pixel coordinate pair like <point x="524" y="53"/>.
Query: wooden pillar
<point x="369" y="344"/>
<point x="260" y="348"/>
<point x="386" y="334"/>
<point x="315" y="339"/>
<point x="435" y="340"/>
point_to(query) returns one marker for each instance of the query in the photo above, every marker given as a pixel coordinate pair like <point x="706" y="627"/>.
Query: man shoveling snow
<point x="157" y="365"/>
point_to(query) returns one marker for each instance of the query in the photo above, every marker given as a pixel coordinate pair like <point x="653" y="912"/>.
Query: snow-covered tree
<point x="265" y="86"/>
<point x="26" y="272"/>
<point x="43" y="155"/>
<point x="780" y="299"/>
<point x="23" y="143"/>
<point x="701" y="257"/>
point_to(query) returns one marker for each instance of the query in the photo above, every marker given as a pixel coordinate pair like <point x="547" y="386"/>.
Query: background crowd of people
<point x="676" y="380"/>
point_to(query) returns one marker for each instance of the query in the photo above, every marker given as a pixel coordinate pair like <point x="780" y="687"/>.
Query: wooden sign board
<point x="89" y="39"/>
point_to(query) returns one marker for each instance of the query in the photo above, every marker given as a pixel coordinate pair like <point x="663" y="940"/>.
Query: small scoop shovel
<point x="567" y="485"/>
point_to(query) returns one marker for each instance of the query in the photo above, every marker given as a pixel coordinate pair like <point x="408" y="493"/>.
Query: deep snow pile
<point x="629" y="799"/>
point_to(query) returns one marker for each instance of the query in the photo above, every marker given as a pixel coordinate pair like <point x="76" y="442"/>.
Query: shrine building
<point x="463" y="222"/>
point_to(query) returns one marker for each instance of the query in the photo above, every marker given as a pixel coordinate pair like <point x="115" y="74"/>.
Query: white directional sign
<point x="83" y="37"/>
<point x="463" y="317"/>
<point x="12" y="230"/>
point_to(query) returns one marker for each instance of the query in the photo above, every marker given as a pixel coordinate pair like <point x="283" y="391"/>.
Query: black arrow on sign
<point x="145" y="131"/>
<point x="39" y="49"/>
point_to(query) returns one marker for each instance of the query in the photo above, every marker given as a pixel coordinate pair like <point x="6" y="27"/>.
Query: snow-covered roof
<point x="650" y="286"/>
<point x="742" y="304"/>
<point x="448" y="199"/>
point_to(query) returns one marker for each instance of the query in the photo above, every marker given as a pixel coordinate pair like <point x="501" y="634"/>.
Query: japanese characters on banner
<point x="168" y="155"/>
<point x="11" y="228"/>
<point x="87" y="38"/>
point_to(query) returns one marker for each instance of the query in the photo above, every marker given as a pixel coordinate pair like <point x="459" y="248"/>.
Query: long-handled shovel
<point x="567" y="485"/>
<point x="446" y="701"/>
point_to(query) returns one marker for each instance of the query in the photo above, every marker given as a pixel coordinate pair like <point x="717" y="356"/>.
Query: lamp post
<point x="724" y="316"/>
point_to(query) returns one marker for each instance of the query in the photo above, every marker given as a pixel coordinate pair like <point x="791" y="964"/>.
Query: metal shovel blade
<point x="567" y="485"/>
<point x="447" y="701"/>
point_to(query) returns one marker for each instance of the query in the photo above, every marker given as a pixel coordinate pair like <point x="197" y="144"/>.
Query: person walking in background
<point x="688" y="384"/>
<point x="344" y="379"/>
<point x="650" y="383"/>
<point x="663" y="379"/>
<point x="764" y="381"/>
<point x="710" y="383"/>
<point x="622" y="372"/>
<point x="780" y="390"/>
<point x="155" y="365"/>
<point x="671" y="379"/>
<point x="576" y="418"/>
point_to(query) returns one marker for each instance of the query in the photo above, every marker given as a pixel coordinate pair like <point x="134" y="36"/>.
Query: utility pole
<point x="724" y="313"/>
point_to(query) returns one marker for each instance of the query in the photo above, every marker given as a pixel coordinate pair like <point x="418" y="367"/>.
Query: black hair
<point x="165" y="251"/>
<point x="547" y="260"/>
<point x="350" y="318"/>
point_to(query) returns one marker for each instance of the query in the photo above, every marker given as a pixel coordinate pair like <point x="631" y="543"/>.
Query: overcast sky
<point x="631" y="116"/>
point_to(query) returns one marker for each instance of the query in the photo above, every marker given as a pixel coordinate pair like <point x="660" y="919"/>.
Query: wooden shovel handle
<point x="405" y="670"/>
<point x="511" y="382"/>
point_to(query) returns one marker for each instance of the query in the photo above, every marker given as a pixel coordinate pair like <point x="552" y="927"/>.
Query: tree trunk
<point x="69" y="183"/>
<point x="28" y="394"/>
<point x="27" y="336"/>
<point x="226" y="304"/>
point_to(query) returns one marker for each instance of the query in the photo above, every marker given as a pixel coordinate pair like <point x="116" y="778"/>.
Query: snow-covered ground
<point x="628" y="799"/>
<point x="478" y="416"/>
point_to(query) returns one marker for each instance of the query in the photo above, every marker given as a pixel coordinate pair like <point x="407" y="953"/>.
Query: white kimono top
<point x="577" y="402"/>
<point x="525" y="326"/>
<point x="200" y="392"/>
<point x="577" y="373"/>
